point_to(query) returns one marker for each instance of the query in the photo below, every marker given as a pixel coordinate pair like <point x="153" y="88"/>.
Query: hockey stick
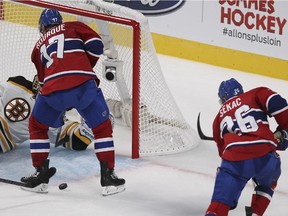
<point x="50" y="172"/>
<point x="8" y="181"/>
<point x="200" y="132"/>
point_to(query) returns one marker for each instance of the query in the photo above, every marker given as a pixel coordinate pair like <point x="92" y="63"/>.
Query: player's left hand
<point x="282" y="138"/>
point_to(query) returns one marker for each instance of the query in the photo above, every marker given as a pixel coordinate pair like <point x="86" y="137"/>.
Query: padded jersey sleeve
<point x="274" y="105"/>
<point x="93" y="44"/>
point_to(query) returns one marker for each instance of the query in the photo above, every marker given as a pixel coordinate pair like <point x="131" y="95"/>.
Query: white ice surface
<point x="174" y="185"/>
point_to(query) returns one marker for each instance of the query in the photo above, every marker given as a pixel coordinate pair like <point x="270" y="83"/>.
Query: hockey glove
<point x="282" y="138"/>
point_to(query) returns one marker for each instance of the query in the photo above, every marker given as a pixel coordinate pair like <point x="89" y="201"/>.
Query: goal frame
<point x="136" y="55"/>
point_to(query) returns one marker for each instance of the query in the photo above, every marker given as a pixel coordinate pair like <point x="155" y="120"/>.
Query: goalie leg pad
<point x="81" y="137"/>
<point x="63" y="137"/>
<point x="75" y="136"/>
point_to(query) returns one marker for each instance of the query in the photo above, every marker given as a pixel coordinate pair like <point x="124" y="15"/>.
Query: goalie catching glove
<point x="282" y="137"/>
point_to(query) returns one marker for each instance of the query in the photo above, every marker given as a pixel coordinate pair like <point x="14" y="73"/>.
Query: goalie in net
<point x="17" y="96"/>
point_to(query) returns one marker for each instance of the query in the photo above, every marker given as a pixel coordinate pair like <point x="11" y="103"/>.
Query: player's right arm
<point x="93" y="44"/>
<point x="274" y="105"/>
<point x="277" y="107"/>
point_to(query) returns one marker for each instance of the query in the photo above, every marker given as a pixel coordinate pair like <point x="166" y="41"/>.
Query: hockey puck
<point x="63" y="186"/>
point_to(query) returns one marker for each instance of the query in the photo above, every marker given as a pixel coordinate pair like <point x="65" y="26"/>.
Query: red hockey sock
<point x="39" y="141"/>
<point x="218" y="209"/>
<point x="259" y="204"/>
<point x="104" y="131"/>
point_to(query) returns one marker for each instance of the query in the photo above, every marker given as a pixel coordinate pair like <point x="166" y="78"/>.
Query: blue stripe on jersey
<point x="51" y="48"/>
<point x="258" y="115"/>
<point x="276" y="104"/>
<point x="43" y="60"/>
<point x="69" y="45"/>
<point x="39" y="145"/>
<point x="94" y="47"/>
<point x="103" y="145"/>
<point x="73" y="45"/>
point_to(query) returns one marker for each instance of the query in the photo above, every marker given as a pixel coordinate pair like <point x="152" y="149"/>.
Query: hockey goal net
<point x="130" y="74"/>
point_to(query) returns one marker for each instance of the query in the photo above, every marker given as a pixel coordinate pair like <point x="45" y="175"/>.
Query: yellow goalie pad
<point x="76" y="136"/>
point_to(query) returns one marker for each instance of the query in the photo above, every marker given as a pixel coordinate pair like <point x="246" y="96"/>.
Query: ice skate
<point x="38" y="182"/>
<point x="248" y="211"/>
<point x="110" y="182"/>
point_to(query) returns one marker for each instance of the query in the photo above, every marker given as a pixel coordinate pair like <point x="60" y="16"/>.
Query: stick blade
<point x="200" y="132"/>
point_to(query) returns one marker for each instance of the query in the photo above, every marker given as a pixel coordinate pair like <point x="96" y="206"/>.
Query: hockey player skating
<point x="64" y="58"/>
<point x="247" y="146"/>
<point x="17" y="96"/>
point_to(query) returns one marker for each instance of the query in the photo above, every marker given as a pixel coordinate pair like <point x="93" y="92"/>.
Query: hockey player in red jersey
<point x="64" y="58"/>
<point x="247" y="146"/>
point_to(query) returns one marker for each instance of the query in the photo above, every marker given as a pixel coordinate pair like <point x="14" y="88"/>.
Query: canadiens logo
<point x="18" y="109"/>
<point x="152" y="7"/>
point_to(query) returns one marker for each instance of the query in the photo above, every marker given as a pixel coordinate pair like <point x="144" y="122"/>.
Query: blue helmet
<point x="49" y="17"/>
<point x="228" y="89"/>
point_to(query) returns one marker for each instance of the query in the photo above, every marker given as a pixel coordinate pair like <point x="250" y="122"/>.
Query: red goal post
<point x="158" y="127"/>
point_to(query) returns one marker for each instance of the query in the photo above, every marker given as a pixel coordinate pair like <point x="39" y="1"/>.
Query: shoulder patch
<point x="17" y="109"/>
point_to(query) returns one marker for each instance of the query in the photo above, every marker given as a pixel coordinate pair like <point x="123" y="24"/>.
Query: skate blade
<point x="42" y="188"/>
<point x="110" y="190"/>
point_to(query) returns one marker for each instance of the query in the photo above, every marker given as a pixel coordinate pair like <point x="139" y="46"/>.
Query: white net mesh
<point x="162" y="128"/>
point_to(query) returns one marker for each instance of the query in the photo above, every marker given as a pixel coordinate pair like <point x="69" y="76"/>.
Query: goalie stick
<point x="200" y="132"/>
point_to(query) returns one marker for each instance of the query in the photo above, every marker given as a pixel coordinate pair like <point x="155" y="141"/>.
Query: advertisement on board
<point x="255" y="26"/>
